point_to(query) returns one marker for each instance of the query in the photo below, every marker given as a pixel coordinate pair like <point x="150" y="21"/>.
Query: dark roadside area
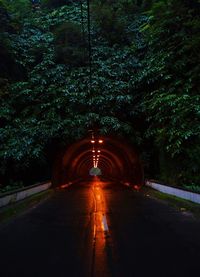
<point x="11" y="211"/>
<point x="186" y="207"/>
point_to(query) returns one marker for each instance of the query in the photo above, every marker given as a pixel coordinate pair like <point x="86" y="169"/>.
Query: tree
<point x="144" y="83"/>
<point x="170" y="71"/>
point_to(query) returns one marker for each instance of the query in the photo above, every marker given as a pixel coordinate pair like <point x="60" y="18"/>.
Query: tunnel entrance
<point x="95" y="171"/>
<point x="116" y="159"/>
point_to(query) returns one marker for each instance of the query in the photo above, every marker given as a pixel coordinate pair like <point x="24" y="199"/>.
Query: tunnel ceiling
<point x="117" y="160"/>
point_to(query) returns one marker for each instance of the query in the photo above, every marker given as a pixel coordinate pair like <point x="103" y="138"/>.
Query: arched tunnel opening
<point x="114" y="158"/>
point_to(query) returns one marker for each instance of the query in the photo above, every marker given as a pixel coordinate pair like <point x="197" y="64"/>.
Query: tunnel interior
<point x="115" y="159"/>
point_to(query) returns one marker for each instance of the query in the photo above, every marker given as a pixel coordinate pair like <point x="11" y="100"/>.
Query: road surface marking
<point x="105" y="224"/>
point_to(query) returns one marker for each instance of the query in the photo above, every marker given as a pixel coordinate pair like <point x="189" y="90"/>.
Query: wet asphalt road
<point x="100" y="229"/>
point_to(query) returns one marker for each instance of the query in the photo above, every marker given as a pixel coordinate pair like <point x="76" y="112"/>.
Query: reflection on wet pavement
<point x="101" y="232"/>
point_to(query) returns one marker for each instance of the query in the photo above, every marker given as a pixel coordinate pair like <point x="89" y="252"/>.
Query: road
<point x="100" y="229"/>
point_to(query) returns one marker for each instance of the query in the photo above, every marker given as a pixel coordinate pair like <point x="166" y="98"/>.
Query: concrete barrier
<point x="187" y="195"/>
<point x="20" y="194"/>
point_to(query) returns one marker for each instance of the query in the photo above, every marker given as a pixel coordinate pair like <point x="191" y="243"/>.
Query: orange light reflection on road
<point x="100" y="229"/>
<point x="100" y="223"/>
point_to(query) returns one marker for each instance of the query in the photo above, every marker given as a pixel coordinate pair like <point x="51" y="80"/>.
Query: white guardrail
<point x="187" y="195"/>
<point x="20" y="194"/>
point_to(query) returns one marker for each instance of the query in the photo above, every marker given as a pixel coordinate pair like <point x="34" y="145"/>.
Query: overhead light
<point x="99" y="151"/>
<point x="100" y="141"/>
<point x="92" y="141"/>
<point x="93" y="151"/>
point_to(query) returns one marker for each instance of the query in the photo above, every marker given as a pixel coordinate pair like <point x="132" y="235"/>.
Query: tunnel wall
<point x="118" y="160"/>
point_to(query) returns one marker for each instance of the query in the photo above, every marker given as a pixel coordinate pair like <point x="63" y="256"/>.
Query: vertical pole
<point x="89" y="46"/>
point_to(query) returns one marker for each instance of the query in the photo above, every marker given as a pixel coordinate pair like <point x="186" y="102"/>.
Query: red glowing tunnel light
<point x="100" y="141"/>
<point x="65" y="186"/>
<point x="127" y="184"/>
<point x="92" y="141"/>
<point x="99" y="151"/>
<point x="136" y="187"/>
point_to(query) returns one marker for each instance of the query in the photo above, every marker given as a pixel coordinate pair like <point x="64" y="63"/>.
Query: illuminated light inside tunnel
<point x="114" y="158"/>
<point x="95" y="151"/>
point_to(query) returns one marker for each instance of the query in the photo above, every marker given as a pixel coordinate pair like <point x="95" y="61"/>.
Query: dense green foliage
<point x="144" y="84"/>
<point x="172" y="101"/>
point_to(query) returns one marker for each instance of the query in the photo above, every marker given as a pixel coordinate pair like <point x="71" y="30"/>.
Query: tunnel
<point x="114" y="158"/>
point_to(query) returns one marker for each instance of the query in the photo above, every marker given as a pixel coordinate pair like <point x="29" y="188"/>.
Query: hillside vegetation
<point x="145" y="83"/>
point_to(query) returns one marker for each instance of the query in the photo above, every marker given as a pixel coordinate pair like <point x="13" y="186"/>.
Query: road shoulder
<point x="187" y="208"/>
<point x="14" y="210"/>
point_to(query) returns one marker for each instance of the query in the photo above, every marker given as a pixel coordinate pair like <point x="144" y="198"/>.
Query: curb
<point x="18" y="195"/>
<point x="183" y="194"/>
